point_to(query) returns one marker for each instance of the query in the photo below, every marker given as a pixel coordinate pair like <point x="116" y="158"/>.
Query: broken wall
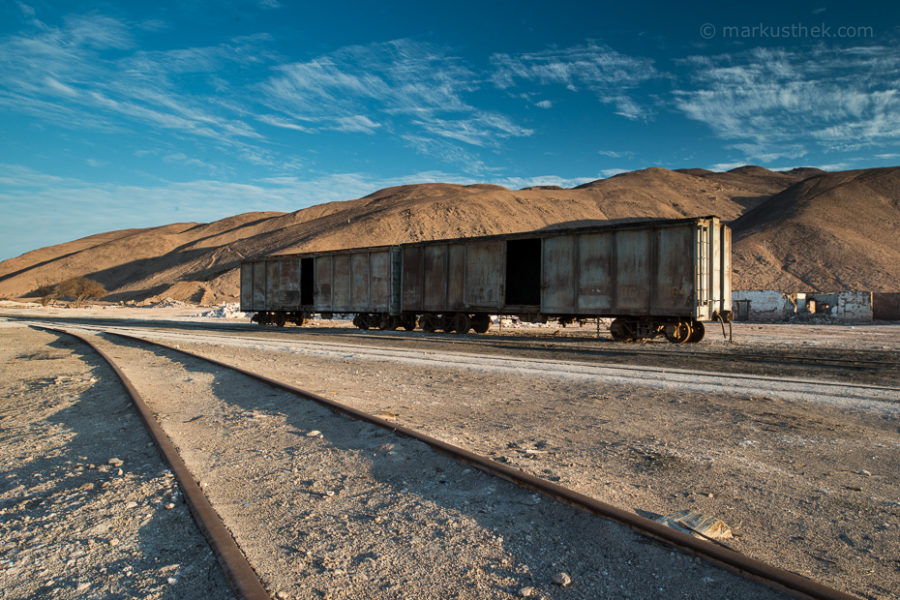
<point x="773" y="305"/>
<point x="765" y="305"/>
<point x="853" y="306"/>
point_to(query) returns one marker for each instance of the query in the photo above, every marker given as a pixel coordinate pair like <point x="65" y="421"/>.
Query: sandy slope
<point x="838" y="231"/>
<point x="197" y="262"/>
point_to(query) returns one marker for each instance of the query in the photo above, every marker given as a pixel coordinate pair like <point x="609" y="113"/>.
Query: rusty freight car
<point x="653" y="277"/>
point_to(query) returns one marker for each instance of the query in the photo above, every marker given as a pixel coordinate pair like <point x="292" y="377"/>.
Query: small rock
<point x="866" y="473"/>
<point x="169" y="506"/>
<point x="313" y="433"/>
<point x="114" y="542"/>
<point x="120" y="472"/>
<point x="562" y="579"/>
<point x="527" y="592"/>
<point x="172" y="580"/>
<point x="131" y="505"/>
<point x="82" y="586"/>
<point x="281" y="596"/>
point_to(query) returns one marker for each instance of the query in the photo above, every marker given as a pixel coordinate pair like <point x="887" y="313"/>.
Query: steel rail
<point x="784" y="387"/>
<point x="517" y="342"/>
<point x="243" y="578"/>
<point x="775" y="577"/>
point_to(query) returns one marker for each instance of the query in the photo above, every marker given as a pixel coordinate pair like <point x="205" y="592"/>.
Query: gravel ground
<point x="809" y="487"/>
<point x="87" y="507"/>
<point x="324" y="506"/>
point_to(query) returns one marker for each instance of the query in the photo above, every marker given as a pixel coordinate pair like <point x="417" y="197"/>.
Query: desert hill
<point x="198" y="262"/>
<point x="832" y="232"/>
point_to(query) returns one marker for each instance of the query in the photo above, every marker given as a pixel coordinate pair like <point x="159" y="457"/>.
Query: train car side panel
<point x="456" y="276"/>
<point x="360" y="299"/>
<point x="596" y="273"/>
<point x="247" y="287"/>
<point x="283" y="283"/>
<point x="340" y="283"/>
<point x="323" y="287"/>
<point x="380" y="281"/>
<point x="259" y="285"/>
<point x="633" y="272"/>
<point x="412" y="284"/>
<point x="396" y="283"/>
<point x="560" y="274"/>
<point x="485" y="272"/>
<point x="674" y="291"/>
<point x="437" y="276"/>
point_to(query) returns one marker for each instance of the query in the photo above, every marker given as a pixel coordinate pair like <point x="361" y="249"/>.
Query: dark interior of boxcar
<point x="523" y="272"/>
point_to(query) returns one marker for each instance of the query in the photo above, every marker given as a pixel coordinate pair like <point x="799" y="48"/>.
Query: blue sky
<point x="118" y="114"/>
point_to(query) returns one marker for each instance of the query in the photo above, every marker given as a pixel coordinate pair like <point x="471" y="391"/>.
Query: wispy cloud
<point x="88" y="73"/>
<point x="611" y="75"/>
<point x="774" y="102"/>
<point x="415" y="89"/>
<point x="446" y="151"/>
<point x="401" y="76"/>
<point x="616" y="153"/>
<point x="284" y="123"/>
<point x="480" y="129"/>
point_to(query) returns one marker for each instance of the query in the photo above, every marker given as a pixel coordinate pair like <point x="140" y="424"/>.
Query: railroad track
<point x="884" y="398"/>
<point x="246" y="579"/>
<point x="579" y="345"/>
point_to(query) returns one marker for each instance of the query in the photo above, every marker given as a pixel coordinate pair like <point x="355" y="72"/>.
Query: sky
<point x="120" y="114"/>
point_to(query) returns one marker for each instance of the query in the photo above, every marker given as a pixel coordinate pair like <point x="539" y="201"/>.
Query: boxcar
<point x="653" y="277"/>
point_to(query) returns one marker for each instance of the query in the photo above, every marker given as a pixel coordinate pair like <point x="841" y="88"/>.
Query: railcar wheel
<point x="280" y="319"/>
<point x="697" y="331"/>
<point x="428" y="324"/>
<point x="387" y="323"/>
<point x="678" y="332"/>
<point x="360" y="321"/>
<point x="481" y="323"/>
<point x="444" y="323"/>
<point x="621" y="329"/>
<point x="461" y="323"/>
<point x="409" y="323"/>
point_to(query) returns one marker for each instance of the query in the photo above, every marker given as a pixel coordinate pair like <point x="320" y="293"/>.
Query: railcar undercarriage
<point x="623" y="329"/>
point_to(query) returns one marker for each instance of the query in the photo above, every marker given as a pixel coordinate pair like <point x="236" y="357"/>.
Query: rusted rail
<point x="775" y="577"/>
<point x="240" y="573"/>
